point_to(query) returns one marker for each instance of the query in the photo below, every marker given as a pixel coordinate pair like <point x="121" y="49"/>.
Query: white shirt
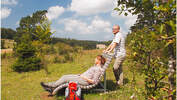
<point x="119" y="50"/>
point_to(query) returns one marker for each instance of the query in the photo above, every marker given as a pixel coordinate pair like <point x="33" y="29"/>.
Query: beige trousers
<point x="117" y="69"/>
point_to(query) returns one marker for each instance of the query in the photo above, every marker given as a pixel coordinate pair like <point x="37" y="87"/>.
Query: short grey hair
<point x="117" y="26"/>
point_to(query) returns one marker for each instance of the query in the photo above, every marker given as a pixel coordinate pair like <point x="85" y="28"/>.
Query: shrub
<point x="62" y="59"/>
<point x="26" y="57"/>
<point x="63" y="48"/>
<point x="65" y="53"/>
<point x="27" y="64"/>
<point x="68" y="57"/>
<point x="56" y="59"/>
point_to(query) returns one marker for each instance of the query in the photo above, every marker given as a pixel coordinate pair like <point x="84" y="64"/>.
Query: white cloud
<point x="89" y="7"/>
<point x="96" y="26"/>
<point x="76" y="26"/>
<point x="5" y="12"/>
<point x="54" y="12"/>
<point x="108" y="37"/>
<point x="9" y="2"/>
<point x="129" y="19"/>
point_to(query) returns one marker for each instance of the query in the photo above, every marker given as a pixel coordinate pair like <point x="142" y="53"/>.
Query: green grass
<point x="26" y="86"/>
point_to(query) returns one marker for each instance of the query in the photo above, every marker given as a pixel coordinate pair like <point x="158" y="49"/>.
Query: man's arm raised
<point x="107" y="49"/>
<point x="110" y="47"/>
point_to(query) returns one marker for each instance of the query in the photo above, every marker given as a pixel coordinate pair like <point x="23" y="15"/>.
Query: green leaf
<point x="125" y="14"/>
<point x="117" y="9"/>
<point x="130" y="11"/>
<point x="161" y="28"/>
<point x="156" y="8"/>
<point x="169" y="42"/>
<point x="172" y="25"/>
<point x="120" y="12"/>
<point x="153" y="34"/>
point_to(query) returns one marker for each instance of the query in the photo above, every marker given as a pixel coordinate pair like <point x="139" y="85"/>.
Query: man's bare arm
<point x="112" y="47"/>
<point x="107" y="49"/>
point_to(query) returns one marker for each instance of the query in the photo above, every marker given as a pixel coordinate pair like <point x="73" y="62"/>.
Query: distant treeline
<point x="86" y="44"/>
<point x="8" y="33"/>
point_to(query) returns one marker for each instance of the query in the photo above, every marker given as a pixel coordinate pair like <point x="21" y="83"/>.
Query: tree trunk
<point x="171" y="67"/>
<point x="171" y="79"/>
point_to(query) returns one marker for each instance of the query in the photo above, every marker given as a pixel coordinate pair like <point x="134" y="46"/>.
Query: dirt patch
<point x="46" y="96"/>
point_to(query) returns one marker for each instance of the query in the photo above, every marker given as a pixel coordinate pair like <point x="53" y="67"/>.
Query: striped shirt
<point x="119" y="50"/>
<point x="93" y="73"/>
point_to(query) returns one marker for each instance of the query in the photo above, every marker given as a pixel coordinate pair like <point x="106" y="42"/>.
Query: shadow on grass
<point x="126" y="80"/>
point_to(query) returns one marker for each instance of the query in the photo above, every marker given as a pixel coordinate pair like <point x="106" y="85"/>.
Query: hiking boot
<point x="43" y="84"/>
<point x="47" y="88"/>
<point x="50" y="90"/>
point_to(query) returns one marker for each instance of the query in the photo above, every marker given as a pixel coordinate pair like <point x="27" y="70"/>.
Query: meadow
<point x="149" y="68"/>
<point x="26" y="85"/>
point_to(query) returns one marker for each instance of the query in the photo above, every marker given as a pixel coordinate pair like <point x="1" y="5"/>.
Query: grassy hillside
<point x="26" y="86"/>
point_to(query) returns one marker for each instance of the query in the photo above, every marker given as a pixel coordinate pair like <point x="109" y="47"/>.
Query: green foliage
<point x="43" y="32"/>
<point x="8" y="33"/>
<point x="65" y="53"/>
<point x="48" y="49"/>
<point x="36" y="30"/>
<point x="63" y="58"/>
<point x="27" y="64"/>
<point x="147" y="54"/>
<point x="152" y="41"/>
<point x="27" y="60"/>
<point x="64" y="48"/>
<point x="30" y="25"/>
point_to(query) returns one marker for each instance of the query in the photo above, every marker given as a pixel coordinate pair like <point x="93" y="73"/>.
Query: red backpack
<point x="73" y="91"/>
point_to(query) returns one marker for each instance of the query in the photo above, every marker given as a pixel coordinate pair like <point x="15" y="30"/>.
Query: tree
<point x="29" y="24"/>
<point x="153" y="41"/>
<point x="27" y="60"/>
<point x="42" y="34"/>
<point x="36" y="30"/>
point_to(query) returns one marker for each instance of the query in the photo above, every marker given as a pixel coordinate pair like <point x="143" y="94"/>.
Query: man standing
<point x="118" y="45"/>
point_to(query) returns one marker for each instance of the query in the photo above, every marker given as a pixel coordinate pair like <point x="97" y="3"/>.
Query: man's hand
<point x="105" y="51"/>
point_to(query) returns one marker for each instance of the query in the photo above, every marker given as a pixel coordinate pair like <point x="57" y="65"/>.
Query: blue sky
<point x="78" y="19"/>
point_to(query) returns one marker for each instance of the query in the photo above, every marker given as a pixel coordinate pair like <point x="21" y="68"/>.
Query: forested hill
<point x="8" y="33"/>
<point x="86" y="44"/>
